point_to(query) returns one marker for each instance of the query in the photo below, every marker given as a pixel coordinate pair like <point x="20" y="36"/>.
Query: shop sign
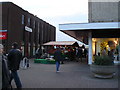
<point x="3" y="35"/>
<point x="28" y="29"/>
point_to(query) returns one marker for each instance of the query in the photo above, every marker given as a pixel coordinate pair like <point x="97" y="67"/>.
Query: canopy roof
<point x="62" y="43"/>
<point x="80" y="31"/>
<point x="88" y="26"/>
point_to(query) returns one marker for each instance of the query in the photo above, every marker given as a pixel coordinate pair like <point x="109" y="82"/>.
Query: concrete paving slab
<point x="71" y="75"/>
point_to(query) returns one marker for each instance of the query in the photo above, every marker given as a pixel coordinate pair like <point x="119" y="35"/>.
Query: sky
<point x="57" y="12"/>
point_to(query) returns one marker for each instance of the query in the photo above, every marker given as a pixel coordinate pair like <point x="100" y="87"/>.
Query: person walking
<point x="58" y="58"/>
<point x="79" y="54"/>
<point x="5" y="71"/>
<point x="14" y="58"/>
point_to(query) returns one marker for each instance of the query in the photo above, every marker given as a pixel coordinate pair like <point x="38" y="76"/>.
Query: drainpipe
<point x="90" y="48"/>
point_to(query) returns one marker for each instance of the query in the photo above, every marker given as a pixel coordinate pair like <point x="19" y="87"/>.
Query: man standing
<point x="14" y="58"/>
<point x="58" y="58"/>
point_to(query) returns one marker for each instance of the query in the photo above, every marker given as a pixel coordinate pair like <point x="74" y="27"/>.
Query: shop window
<point x="38" y="31"/>
<point x="22" y="49"/>
<point x="34" y="49"/>
<point x="23" y="19"/>
<point x="30" y="37"/>
<point x="34" y="24"/>
<point x="42" y="33"/>
<point x="28" y="21"/>
<point x="29" y="48"/>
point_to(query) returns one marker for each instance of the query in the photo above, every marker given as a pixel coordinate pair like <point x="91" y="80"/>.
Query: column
<point x="90" y="48"/>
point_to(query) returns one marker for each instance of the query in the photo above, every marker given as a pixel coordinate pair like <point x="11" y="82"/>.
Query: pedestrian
<point x="25" y="63"/>
<point x="109" y="50"/>
<point x="104" y="53"/>
<point x="37" y="53"/>
<point x="98" y="53"/>
<point x="63" y="57"/>
<point x="5" y="71"/>
<point x="58" y="58"/>
<point x="71" y="54"/>
<point x="76" y="52"/>
<point x="28" y="64"/>
<point x="84" y="51"/>
<point x="111" y="54"/>
<point x="14" y="58"/>
<point x="79" y="54"/>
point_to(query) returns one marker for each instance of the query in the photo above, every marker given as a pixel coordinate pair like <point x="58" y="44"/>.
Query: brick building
<point x="20" y="26"/>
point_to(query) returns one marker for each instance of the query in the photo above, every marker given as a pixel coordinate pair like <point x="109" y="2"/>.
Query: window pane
<point x="23" y="19"/>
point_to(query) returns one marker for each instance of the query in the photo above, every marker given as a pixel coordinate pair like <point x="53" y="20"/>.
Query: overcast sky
<point x="57" y="12"/>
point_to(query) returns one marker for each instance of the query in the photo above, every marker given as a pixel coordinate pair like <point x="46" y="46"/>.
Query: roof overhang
<point x="88" y="26"/>
<point x="80" y="31"/>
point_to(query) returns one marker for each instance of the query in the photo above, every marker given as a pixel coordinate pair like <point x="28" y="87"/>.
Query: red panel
<point x="3" y="35"/>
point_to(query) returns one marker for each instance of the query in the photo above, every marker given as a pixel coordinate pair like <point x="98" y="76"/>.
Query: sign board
<point x="28" y="29"/>
<point x="3" y="34"/>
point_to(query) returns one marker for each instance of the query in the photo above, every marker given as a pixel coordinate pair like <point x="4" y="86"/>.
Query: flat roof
<point x="87" y="26"/>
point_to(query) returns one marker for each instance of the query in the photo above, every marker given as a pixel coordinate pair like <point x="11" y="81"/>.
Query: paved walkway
<point x="71" y="75"/>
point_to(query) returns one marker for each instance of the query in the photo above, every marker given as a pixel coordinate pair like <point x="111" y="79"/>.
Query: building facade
<point x="104" y="10"/>
<point x="101" y="11"/>
<point x="103" y="29"/>
<point x="20" y="26"/>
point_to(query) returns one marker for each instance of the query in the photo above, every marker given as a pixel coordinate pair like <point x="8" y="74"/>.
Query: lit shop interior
<point x="98" y="44"/>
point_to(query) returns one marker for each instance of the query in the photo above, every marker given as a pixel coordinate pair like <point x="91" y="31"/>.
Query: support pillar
<point x="90" y="48"/>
